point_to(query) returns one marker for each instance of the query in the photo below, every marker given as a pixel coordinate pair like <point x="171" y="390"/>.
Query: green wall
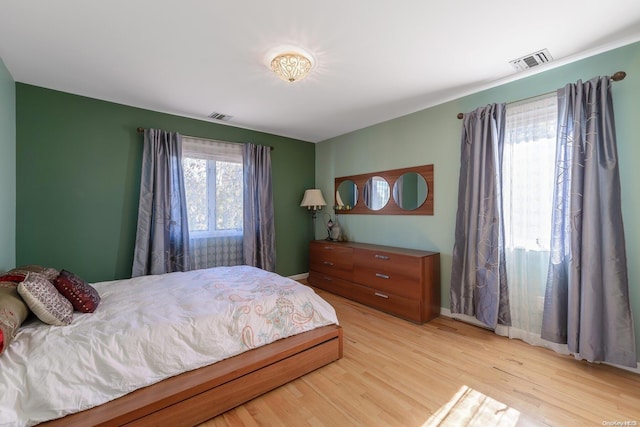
<point x="433" y="136"/>
<point x="78" y="178"/>
<point x="7" y="169"/>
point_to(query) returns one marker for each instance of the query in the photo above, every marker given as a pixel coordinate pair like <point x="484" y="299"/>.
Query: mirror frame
<point x="391" y="176"/>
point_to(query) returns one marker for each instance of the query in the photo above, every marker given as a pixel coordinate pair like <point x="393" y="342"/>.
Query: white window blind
<point x="209" y="149"/>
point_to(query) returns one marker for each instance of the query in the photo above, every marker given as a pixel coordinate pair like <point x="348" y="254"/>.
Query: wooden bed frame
<point x="199" y="395"/>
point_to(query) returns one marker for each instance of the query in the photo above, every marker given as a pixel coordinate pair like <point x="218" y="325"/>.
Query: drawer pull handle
<point x="327" y="278"/>
<point x="328" y="263"/>
<point x="382" y="276"/>
<point x="381" y="256"/>
<point x="329" y="248"/>
<point x="378" y="294"/>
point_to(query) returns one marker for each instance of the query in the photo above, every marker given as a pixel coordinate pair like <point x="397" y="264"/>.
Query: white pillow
<point x="45" y="301"/>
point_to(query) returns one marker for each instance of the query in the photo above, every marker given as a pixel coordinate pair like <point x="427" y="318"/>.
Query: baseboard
<point x="464" y="318"/>
<point x="473" y="321"/>
<point x="635" y="370"/>
<point x="299" y="276"/>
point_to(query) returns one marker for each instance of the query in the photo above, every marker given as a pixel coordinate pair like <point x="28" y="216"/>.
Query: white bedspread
<point x="145" y="330"/>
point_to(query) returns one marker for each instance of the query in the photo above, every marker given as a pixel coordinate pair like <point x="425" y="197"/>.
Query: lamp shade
<point x="313" y="199"/>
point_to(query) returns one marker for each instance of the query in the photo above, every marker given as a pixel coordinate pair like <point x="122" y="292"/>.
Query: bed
<point x="154" y="353"/>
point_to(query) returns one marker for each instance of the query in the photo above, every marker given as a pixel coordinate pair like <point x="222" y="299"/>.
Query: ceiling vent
<point x="534" y="59"/>
<point x="220" y="116"/>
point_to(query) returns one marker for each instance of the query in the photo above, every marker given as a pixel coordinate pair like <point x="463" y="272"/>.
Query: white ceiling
<point x="375" y="59"/>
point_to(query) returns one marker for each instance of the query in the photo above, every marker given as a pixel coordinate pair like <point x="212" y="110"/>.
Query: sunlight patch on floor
<point x="471" y="408"/>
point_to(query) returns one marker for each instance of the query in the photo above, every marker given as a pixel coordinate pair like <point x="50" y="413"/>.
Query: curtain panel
<point x="259" y="243"/>
<point x="527" y="187"/>
<point x="478" y="276"/>
<point x="587" y="295"/>
<point x="162" y="237"/>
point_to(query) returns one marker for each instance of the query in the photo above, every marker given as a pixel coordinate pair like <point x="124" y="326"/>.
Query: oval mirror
<point x="410" y="191"/>
<point x="346" y="195"/>
<point x="376" y="193"/>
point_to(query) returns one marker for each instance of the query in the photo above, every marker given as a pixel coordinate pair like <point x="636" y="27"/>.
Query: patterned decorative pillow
<point x="82" y="295"/>
<point x="45" y="301"/>
<point x="13" y="311"/>
<point x="18" y="274"/>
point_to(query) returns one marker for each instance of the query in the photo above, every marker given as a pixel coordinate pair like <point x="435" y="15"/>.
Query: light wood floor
<point x="442" y="373"/>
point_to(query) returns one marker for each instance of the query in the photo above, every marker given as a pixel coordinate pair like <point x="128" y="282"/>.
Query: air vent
<point x="220" y="116"/>
<point x="532" y="60"/>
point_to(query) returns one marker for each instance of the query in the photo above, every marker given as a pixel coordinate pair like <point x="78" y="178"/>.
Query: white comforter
<point x="145" y="330"/>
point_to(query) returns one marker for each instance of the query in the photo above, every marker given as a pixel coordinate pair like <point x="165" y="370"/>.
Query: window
<point x="381" y="193"/>
<point x="376" y="193"/>
<point x="528" y="172"/>
<point x="213" y="185"/>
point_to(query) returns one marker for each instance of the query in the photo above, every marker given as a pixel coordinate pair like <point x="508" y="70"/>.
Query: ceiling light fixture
<point x="291" y="66"/>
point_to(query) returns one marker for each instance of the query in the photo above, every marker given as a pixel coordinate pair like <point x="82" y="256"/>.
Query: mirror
<point x="376" y="193"/>
<point x="410" y="191"/>
<point x="346" y="195"/>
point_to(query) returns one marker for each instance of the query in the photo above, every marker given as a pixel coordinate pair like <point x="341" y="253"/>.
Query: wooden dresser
<point x="402" y="282"/>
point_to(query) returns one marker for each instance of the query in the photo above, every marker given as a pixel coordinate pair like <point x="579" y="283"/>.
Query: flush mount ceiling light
<point x="291" y="66"/>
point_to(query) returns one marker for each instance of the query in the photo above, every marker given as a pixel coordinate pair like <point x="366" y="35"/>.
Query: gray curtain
<point x="478" y="276"/>
<point x="162" y="238"/>
<point x="259" y="229"/>
<point x="587" y="297"/>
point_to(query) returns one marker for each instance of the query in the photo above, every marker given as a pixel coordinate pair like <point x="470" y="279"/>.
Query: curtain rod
<point x="616" y="77"/>
<point x="141" y="130"/>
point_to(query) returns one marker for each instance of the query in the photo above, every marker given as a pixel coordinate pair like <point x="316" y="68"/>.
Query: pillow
<point x="82" y="295"/>
<point x="45" y="301"/>
<point x="6" y="284"/>
<point x="13" y="311"/>
<point x="18" y="274"/>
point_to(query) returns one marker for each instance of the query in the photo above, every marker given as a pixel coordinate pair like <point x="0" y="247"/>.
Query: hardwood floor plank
<point x="445" y="372"/>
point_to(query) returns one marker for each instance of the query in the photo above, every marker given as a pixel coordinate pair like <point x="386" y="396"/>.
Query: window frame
<point x="212" y="151"/>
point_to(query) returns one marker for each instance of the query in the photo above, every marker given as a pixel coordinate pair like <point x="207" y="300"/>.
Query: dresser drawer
<point x="331" y="284"/>
<point x="389" y="263"/>
<point x="332" y="260"/>
<point x="391" y="282"/>
<point x="402" y="307"/>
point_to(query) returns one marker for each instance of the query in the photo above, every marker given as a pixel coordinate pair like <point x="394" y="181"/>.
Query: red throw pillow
<point x="82" y="295"/>
<point x="14" y="278"/>
<point x="18" y="274"/>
